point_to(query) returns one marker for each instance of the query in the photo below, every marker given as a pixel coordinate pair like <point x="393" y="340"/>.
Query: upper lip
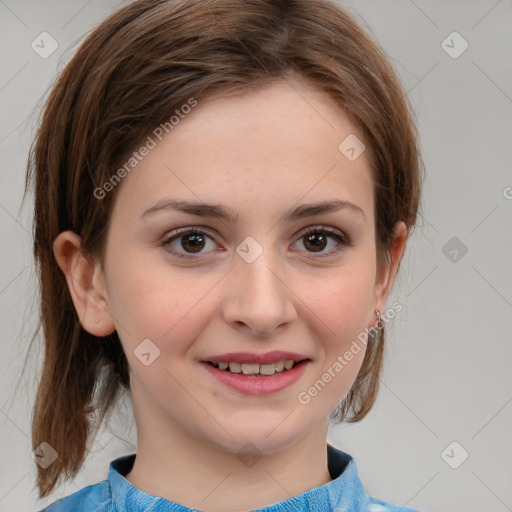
<point x="251" y="357"/>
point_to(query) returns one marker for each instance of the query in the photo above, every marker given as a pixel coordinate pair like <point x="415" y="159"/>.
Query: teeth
<point x="235" y="367"/>
<point x="255" y="369"/>
<point x="250" y="369"/>
<point x="267" y="369"/>
<point x="279" y="366"/>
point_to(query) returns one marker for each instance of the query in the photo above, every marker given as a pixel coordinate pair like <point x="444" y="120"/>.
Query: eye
<point x="316" y="239"/>
<point x="192" y="240"/>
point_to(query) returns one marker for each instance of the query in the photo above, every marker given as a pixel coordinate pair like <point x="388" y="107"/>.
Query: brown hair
<point x="131" y="74"/>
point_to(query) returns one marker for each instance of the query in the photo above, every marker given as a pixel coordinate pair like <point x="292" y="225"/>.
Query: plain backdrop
<point x="446" y="390"/>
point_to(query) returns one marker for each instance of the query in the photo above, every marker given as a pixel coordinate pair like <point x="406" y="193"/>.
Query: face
<point x="257" y="283"/>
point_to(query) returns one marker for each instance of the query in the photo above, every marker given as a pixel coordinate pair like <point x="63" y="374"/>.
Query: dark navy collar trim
<point x="337" y="461"/>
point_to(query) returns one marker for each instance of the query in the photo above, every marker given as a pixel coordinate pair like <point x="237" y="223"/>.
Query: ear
<point x="386" y="273"/>
<point x="86" y="284"/>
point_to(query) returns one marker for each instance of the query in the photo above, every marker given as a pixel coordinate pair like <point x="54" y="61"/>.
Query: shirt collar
<point x="344" y="492"/>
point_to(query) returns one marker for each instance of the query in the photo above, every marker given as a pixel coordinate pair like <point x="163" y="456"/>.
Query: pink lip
<point x="258" y="385"/>
<point x="248" y="357"/>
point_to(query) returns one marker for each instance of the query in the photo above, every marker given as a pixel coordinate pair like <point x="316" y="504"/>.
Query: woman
<point x="224" y="191"/>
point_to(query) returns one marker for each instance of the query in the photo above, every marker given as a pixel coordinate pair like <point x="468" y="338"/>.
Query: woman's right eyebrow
<point x="219" y="212"/>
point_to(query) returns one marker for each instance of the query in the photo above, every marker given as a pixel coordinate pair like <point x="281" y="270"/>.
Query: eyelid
<point x="321" y="227"/>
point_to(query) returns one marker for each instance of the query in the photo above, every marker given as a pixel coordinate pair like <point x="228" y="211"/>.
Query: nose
<point x="257" y="297"/>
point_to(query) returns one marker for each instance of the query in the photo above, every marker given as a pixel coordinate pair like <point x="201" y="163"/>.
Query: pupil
<point x="321" y="241"/>
<point x="196" y="245"/>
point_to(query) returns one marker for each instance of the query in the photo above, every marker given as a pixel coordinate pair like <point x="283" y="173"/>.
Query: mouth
<point x="257" y="379"/>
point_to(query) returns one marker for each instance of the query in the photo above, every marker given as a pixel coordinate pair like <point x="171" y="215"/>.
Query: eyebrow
<point x="219" y="212"/>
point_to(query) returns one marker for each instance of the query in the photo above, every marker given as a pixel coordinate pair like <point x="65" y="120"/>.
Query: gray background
<point x="447" y="369"/>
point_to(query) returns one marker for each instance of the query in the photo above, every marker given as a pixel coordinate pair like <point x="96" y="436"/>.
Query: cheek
<point x="339" y="308"/>
<point x="341" y="317"/>
<point x="341" y="302"/>
<point x="166" y="307"/>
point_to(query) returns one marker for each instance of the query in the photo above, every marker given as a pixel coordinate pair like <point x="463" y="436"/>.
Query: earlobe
<point x="84" y="277"/>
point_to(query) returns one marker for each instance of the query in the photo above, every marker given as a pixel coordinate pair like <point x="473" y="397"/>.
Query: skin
<point x="260" y="154"/>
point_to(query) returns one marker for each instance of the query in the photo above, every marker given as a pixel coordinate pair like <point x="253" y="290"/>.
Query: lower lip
<point x="258" y="385"/>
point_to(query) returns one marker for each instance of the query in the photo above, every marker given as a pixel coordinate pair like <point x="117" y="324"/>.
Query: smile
<point x="256" y="379"/>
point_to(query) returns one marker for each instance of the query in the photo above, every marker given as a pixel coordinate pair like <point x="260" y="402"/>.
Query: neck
<point x="182" y="468"/>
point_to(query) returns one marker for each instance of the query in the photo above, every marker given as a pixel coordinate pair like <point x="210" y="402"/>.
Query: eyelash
<point x="342" y="241"/>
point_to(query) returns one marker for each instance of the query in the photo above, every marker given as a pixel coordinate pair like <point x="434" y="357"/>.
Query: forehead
<point x="261" y="150"/>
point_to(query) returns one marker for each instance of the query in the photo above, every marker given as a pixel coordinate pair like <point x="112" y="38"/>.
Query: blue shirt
<point x="344" y="493"/>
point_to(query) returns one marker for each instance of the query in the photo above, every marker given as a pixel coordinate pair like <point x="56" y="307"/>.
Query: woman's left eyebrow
<point x="216" y="211"/>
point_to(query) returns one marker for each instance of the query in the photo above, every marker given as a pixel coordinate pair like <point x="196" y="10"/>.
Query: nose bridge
<point x="257" y="266"/>
<point x="262" y="273"/>
<point x="258" y="295"/>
